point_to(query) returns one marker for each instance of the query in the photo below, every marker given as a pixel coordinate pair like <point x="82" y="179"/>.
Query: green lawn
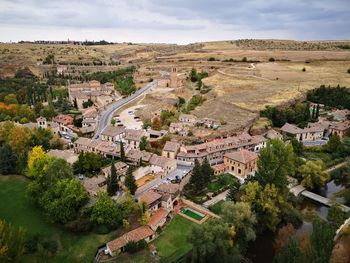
<point x="172" y="241"/>
<point x="221" y="181"/>
<point x="15" y="208"/>
<point x="217" y="208"/>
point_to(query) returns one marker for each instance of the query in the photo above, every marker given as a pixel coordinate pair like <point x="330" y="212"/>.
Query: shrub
<point x="133" y="247"/>
<point x="244" y="59"/>
<point x="303" y="70"/>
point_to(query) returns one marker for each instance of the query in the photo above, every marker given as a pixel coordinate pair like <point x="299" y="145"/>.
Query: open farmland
<point x="237" y="89"/>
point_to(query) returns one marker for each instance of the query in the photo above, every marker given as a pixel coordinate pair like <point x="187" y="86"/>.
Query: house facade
<point x="113" y="133"/>
<point x="241" y="163"/>
<point x="171" y="149"/>
<point x="215" y="150"/>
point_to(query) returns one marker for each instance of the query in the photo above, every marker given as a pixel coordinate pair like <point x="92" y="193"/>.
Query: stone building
<point x="241" y="163"/>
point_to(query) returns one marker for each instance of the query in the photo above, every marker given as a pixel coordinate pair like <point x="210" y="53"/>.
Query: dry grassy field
<point x="238" y="89"/>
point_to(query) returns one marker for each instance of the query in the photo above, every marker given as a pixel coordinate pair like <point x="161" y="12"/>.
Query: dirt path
<point x="331" y="169"/>
<point x="216" y="199"/>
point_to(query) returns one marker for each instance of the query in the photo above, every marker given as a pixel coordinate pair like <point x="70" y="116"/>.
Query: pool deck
<point x="177" y="210"/>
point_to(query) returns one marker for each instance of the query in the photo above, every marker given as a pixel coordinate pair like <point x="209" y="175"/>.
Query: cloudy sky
<point x="173" y="21"/>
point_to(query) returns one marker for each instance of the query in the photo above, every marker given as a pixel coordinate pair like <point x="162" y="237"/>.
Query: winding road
<point x="106" y="115"/>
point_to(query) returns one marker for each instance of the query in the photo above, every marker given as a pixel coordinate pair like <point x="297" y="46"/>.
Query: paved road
<point x="106" y="115"/>
<point x="216" y="199"/>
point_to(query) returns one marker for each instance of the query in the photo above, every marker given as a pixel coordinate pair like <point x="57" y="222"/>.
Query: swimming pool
<point x="192" y="213"/>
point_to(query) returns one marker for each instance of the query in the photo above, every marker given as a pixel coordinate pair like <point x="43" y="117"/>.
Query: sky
<point x="173" y="21"/>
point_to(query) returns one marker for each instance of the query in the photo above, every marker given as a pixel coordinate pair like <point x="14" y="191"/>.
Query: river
<point x="262" y="251"/>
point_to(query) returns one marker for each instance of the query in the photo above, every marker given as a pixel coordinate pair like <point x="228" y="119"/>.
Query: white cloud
<point x="176" y="21"/>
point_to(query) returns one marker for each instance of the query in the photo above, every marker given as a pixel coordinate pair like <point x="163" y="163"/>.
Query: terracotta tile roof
<point x="95" y="184"/>
<point x="157" y="217"/>
<point x="171" y="146"/>
<point x="242" y="156"/>
<point x="135" y="235"/>
<point x="168" y="188"/>
<point x="272" y="134"/>
<point x="119" y="167"/>
<point x="219" y="167"/>
<point x="134" y="135"/>
<point x="63" y="119"/>
<point x="342" y="126"/>
<point x="113" y="131"/>
<point x="149" y="197"/>
<point x="290" y="128"/>
<point x="161" y="161"/>
<point x="135" y="155"/>
<point x="90" y="113"/>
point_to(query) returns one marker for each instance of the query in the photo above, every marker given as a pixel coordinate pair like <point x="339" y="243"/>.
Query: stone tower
<point x="173" y="78"/>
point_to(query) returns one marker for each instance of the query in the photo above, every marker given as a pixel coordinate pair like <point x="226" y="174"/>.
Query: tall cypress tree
<point x="112" y="182"/>
<point x="196" y="179"/>
<point x="122" y="152"/>
<point x="207" y="171"/>
<point x="130" y="181"/>
<point x="317" y="111"/>
<point x="313" y="112"/>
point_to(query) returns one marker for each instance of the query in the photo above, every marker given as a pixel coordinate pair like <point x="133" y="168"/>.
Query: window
<point x="239" y="171"/>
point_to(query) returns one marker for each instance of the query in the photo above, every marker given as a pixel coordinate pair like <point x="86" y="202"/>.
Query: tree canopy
<point x="276" y="162"/>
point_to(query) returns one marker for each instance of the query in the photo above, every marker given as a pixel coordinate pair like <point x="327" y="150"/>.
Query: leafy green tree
<point x="268" y="201"/>
<point x="333" y="143"/>
<point x="41" y="137"/>
<point x="130" y="181"/>
<point x="88" y="163"/>
<point x="104" y="211"/>
<point x="122" y="152"/>
<point x="56" y="169"/>
<point x="322" y="242"/>
<point x="233" y="190"/>
<point x="7" y="160"/>
<point x="11" y="243"/>
<point x="38" y="161"/>
<point x="213" y="242"/>
<point x="112" y="181"/>
<point x="113" y="122"/>
<point x="193" y="75"/>
<point x="336" y="216"/>
<point x="276" y="162"/>
<point x="241" y="216"/>
<point x="143" y="143"/>
<point x="19" y="139"/>
<point x="10" y="99"/>
<point x="181" y="102"/>
<point x="298" y="146"/>
<point x="63" y="201"/>
<point x="289" y="254"/>
<point x="313" y="174"/>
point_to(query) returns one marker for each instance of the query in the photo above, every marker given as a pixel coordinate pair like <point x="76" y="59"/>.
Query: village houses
<point x="113" y="133"/>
